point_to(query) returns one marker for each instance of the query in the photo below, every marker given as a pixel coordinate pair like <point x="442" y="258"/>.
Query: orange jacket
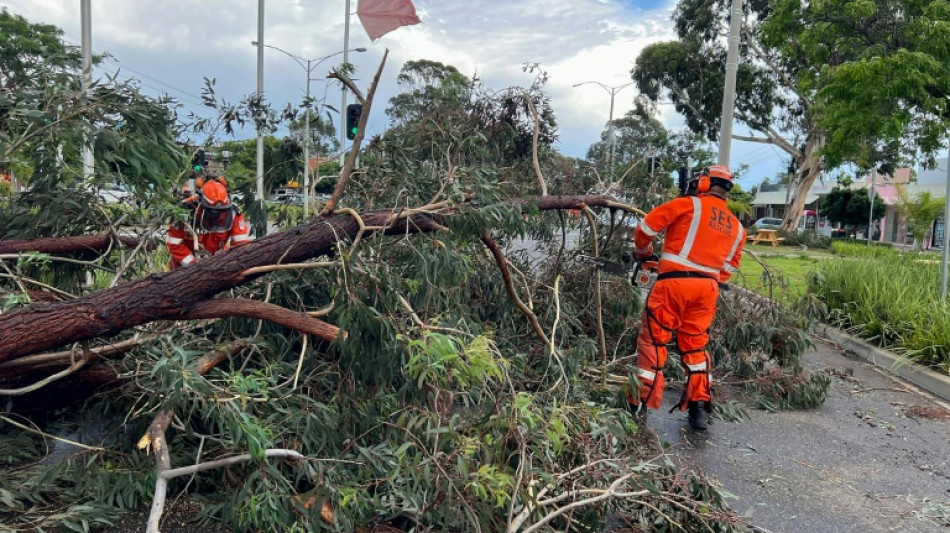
<point x="181" y="241"/>
<point x="702" y="235"/>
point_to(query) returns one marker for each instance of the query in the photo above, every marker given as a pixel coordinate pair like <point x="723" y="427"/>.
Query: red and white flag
<point x="380" y="17"/>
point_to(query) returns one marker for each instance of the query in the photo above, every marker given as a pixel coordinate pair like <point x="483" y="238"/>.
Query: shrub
<point x="893" y="302"/>
<point x="849" y="248"/>
<point x="811" y="240"/>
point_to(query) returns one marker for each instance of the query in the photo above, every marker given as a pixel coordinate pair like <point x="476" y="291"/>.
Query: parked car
<point x="292" y="199"/>
<point x="114" y="193"/>
<point x="767" y="223"/>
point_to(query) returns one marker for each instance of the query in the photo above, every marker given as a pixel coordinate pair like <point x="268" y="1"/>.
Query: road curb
<point x="929" y="380"/>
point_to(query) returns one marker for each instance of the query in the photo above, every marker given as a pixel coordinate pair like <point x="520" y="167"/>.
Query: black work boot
<point x="639" y="412"/>
<point x="697" y="415"/>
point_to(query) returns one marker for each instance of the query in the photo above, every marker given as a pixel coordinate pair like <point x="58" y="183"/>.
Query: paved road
<point x="868" y="460"/>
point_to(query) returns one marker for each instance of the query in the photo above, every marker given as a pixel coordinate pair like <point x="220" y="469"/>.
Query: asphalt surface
<point x="874" y="457"/>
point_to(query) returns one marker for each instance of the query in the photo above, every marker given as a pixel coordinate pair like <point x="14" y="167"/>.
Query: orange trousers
<point x="686" y="306"/>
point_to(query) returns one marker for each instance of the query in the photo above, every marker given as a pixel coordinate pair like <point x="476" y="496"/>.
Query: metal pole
<point x="610" y="129"/>
<point x="729" y="91"/>
<point x="946" y="236"/>
<point x="85" y="7"/>
<point x="871" y="196"/>
<point x="306" y="150"/>
<point x="260" y="95"/>
<point x="346" y="47"/>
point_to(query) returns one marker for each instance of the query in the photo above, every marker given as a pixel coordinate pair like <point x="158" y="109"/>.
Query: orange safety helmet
<point x="714" y="175"/>
<point x="214" y="195"/>
<point x="200" y="182"/>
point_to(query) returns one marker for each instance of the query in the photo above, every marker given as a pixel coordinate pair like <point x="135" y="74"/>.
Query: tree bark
<point x="809" y="168"/>
<point x="231" y="307"/>
<point x="65" y="245"/>
<point x="174" y="295"/>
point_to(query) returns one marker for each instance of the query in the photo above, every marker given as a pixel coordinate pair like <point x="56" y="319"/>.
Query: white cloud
<point x="177" y="42"/>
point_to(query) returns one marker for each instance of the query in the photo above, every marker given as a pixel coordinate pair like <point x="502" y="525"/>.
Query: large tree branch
<point x="240" y="307"/>
<point x="61" y="245"/>
<point x="510" y="288"/>
<point x="171" y="295"/>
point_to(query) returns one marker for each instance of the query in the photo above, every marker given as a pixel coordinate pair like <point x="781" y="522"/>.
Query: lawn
<point x="784" y="275"/>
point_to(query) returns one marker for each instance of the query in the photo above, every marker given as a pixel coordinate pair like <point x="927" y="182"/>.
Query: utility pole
<point x="729" y="90"/>
<point x="85" y="8"/>
<point x="871" y="196"/>
<point x="946" y="236"/>
<point x="306" y="149"/>
<point x="260" y="96"/>
<point x="346" y="47"/>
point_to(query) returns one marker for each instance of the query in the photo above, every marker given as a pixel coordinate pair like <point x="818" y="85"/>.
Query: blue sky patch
<point x="646" y="5"/>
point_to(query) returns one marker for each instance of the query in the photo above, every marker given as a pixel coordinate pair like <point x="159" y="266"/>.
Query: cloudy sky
<point x="170" y="45"/>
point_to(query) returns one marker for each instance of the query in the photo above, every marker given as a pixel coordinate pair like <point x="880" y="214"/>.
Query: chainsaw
<point x="642" y="272"/>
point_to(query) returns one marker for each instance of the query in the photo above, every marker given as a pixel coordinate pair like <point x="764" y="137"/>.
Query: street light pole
<point x="610" y="121"/>
<point x="346" y="46"/>
<point x="308" y="65"/>
<point x="85" y="8"/>
<point x="306" y="148"/>
<point x="260" y="96"/>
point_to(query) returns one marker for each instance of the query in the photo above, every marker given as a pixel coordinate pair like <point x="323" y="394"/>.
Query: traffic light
<point x="353" y="114"/>
<point x="198" y="161"/>
<point x="683" y="173"/>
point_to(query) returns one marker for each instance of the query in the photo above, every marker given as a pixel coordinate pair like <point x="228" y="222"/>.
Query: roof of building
<point x="779" y="197"/>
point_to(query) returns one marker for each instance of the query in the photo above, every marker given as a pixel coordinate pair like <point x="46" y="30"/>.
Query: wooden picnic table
<point x="766" y="236"/>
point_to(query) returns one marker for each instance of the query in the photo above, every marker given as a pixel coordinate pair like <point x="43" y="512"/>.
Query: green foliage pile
<point x="894" y="301"/>
<point x="759" y="342"/>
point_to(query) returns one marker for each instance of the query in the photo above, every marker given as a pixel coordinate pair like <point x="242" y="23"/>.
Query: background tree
<point x="851" y="208"/>
<point x="827" y="82"/>
<point x="920" y="212"/>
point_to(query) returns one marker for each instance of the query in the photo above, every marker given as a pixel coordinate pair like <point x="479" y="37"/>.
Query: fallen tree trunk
<point x="174" y="295"/>
<point x="65" y="245"/>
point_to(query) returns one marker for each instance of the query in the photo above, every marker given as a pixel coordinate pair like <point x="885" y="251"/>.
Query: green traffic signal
<point x="353" y="114"/>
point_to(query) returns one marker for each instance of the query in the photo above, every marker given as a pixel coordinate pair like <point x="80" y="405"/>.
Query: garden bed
<point x="888" y="298"/>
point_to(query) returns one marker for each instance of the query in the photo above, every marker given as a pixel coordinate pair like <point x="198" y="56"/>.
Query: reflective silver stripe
<point x="646" y="374"/>
<point x="697" y="368"/>
<point x="680" y="260"/>
<point x="173" y="240"/>
<point x="240" y="238"/>
<point x="693" y="227"/>
<point x="647" y="229"/>
<point x="735" y="246"/>
<point x="729" y="268"/>
<point x="189" y="259"/>
<point x="643" y="250"/>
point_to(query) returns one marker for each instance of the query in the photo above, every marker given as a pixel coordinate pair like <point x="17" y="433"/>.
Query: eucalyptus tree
<point x="828" y="82"/>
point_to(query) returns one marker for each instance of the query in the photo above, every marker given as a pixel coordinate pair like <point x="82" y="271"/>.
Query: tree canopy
<point x="828" y="82"/>
<point x="851" y="207"/>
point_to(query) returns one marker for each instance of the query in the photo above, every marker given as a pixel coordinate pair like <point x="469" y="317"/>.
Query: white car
<point x="114" y="193"/>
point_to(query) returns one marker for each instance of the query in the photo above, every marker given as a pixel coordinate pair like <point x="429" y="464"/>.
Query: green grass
<point x="891" y="300"/>
<point x="785" y="273"/>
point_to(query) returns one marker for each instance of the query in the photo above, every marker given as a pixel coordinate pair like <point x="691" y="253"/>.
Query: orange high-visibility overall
<point x="181" y="242"/>
<point x="703" y="247"/>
